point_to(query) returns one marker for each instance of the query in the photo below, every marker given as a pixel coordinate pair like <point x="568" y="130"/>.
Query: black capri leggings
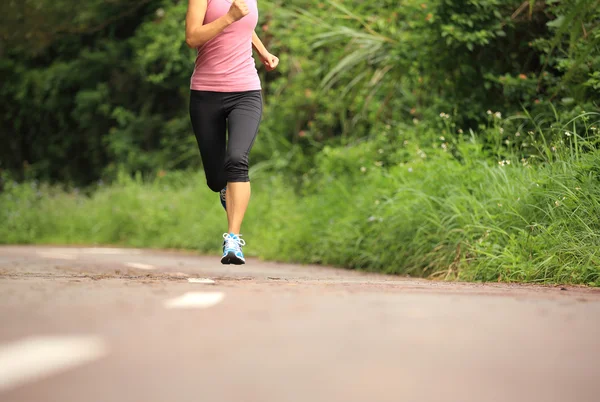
<point x="214" y="113"/>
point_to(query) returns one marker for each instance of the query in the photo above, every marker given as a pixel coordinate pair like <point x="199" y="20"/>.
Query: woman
<point x="226" y="96"/>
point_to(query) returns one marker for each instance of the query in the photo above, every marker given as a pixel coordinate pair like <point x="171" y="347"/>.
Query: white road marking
<point x="139" y="265"/>
<point x="196" y="300"/>
<point x="54" y="254"/>
<point x="34" y="358"/>
<point x="201" y="280"/>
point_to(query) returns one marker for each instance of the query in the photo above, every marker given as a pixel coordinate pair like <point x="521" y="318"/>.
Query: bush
<point x="424" y="212"/>
<point x="110" y="92"/>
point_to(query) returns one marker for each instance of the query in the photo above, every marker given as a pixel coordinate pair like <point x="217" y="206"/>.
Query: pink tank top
<point x="225" y="63"/>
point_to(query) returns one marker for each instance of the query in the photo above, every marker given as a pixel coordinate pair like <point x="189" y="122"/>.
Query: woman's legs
<point x="244" y="114"/>
<point x="225" y="161"/>
<point x="209" y="123"/>
<point x="238" y="197"/>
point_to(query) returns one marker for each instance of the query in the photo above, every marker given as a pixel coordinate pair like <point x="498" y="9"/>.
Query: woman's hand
<point x="270" y="61"/>
<point x="238" y="10"/>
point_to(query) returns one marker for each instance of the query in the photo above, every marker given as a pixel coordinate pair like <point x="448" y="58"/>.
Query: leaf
<point x="556" y="23"/>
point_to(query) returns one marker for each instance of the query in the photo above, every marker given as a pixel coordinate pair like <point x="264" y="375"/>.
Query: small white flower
<point x="377" y="202"/>
<point x="379" y="164"/>
<point x="489" y="112"/>
<point x="405" y="142"/>
<point x="507" y="142"/>
<point x="160" y="13"/>
<point x="410" y="170"/>
<point x="530" y="132"/>
<point x="444" y="146"/>
<point x="568" y="134"/>
<point x="460" y="131"/>
<point x="557" y="203"/>
<point x="553" y="149"/>
<point x="363" y="169"/>
<point x="498" y="115"/>
<point x="416" y="121"/>
<point x="499" y="204"/>
<point x="380" y="151"/>
<point x="517" y="134"/>
<point x="501" y="130"/>
<point x="442" y="138"/>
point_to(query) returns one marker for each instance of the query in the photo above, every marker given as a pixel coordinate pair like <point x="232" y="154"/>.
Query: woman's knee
<point x="216" y="185"/>
<point x="216" y="180"/>
<point x="236" y="166"/>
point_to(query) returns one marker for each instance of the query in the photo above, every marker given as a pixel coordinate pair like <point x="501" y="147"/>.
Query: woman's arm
<point x="267" y="58"/>
<point x="197" y="34"/>
<point x="258" y="45"/>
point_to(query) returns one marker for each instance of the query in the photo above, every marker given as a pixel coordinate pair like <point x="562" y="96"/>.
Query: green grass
<point x="431" y="216"/>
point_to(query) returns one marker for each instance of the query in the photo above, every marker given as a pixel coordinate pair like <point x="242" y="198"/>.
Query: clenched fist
<point x="271" y="62"/>
<point x="238" y="10"/>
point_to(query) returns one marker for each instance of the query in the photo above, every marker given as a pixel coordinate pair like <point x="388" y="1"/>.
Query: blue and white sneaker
<point x="232" y="249"/>
<point x="222" y="197"/>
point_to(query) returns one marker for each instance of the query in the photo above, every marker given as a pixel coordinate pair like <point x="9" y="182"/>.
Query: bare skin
<point x="238" y="197"/>
<point x="196" y="35"/>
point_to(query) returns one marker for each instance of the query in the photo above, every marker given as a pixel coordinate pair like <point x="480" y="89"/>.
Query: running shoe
<point x="232" y="249"/>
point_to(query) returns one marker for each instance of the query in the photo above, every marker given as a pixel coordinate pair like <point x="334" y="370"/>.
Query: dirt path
<point x="88" y="324"/>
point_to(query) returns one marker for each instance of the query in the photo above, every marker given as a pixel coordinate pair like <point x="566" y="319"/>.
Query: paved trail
<point x="101" y="324"/>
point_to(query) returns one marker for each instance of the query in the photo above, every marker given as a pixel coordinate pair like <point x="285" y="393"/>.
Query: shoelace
<point x="231" y="242"/>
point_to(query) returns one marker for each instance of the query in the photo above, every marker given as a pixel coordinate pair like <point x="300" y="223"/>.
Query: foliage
<point x="418" y="211"/>
<point x="109" y="89"/>
<point x="103" y="93"/>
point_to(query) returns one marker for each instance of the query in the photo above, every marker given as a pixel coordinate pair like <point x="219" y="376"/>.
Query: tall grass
<point x="432" y="214"/>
